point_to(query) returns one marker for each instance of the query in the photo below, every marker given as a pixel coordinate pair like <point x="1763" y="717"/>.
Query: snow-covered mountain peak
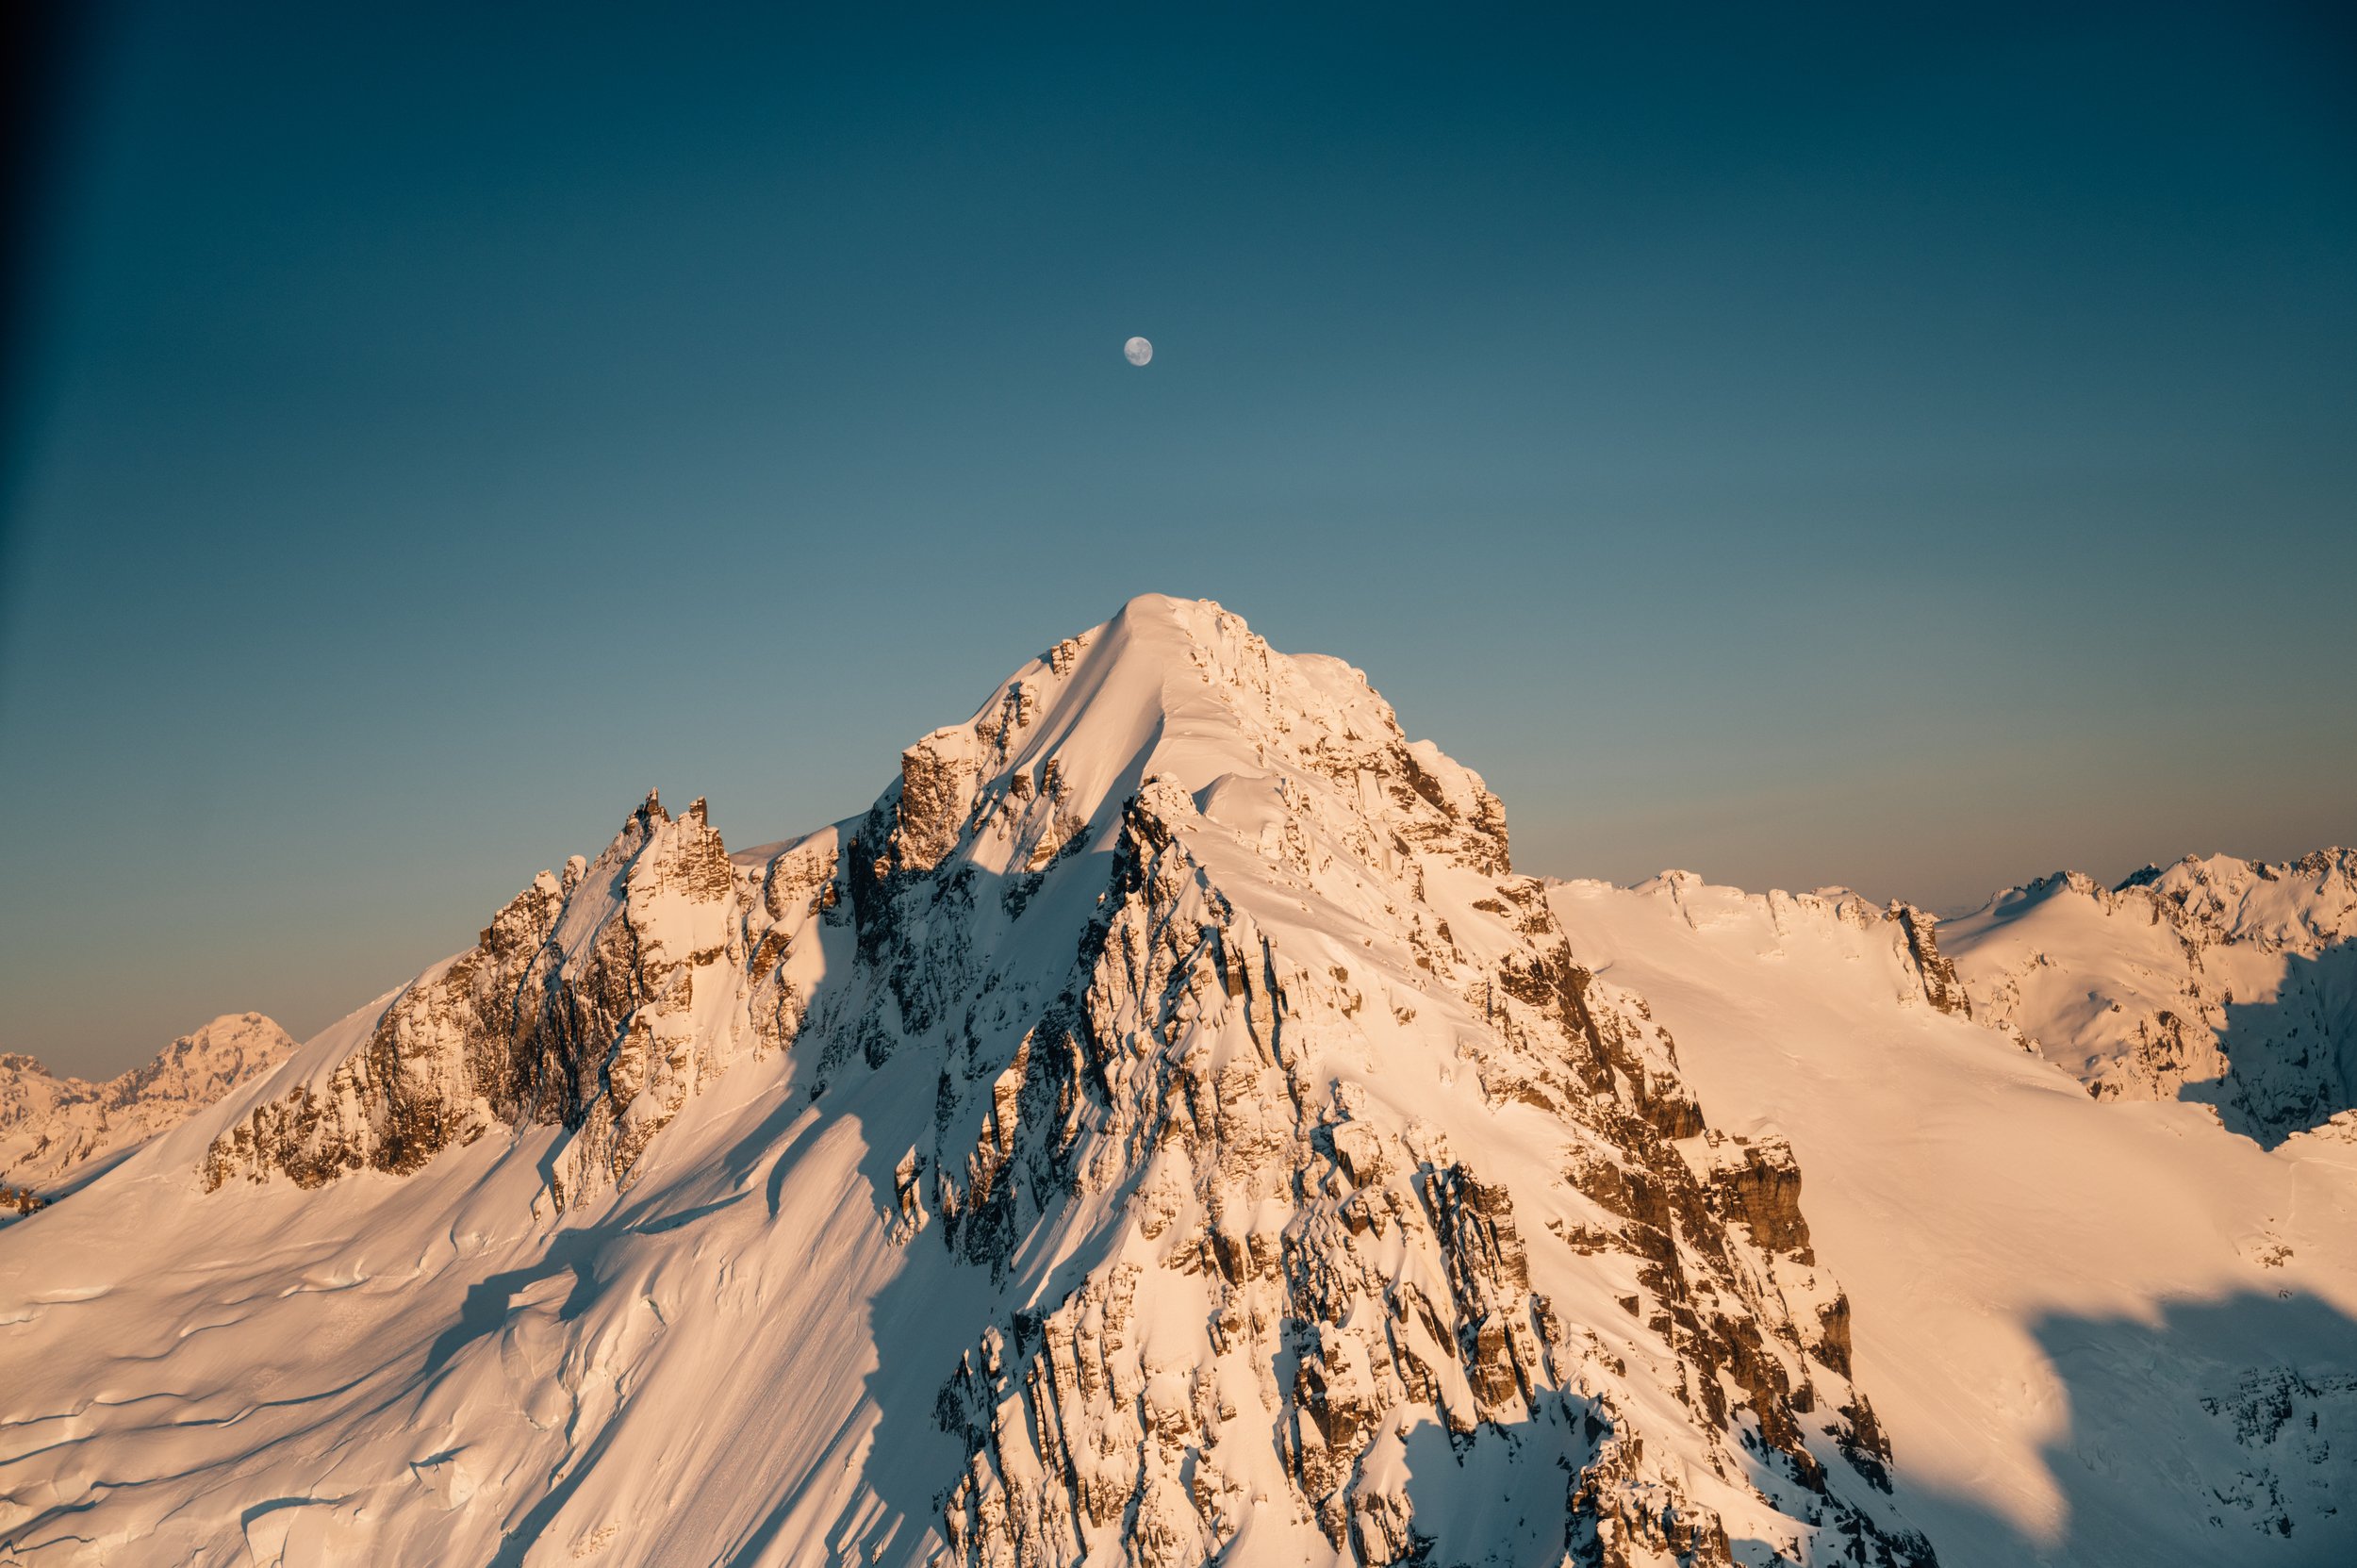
<point x="1163" y="1129"/>
<point x="2215" y="979"/>
<point x="2299" y="905"/>
<point x="55" y="1130"/>
<point x="1162" y="1126"/>
<point x="2293" y="906"/>
<point x="579" y="1006"/>
<point x="201" y="1067"/>
<point x="1182" y="688"/>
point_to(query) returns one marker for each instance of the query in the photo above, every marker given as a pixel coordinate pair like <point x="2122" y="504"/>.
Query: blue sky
<point x="1905" y="451"/>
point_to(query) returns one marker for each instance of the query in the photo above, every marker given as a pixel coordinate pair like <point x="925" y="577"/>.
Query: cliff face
<point x="2228" y="981"/>
<point x="52" y="1129"/>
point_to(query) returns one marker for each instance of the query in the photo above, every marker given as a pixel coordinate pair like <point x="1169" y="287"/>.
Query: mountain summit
<point x="1163" y="1128"/>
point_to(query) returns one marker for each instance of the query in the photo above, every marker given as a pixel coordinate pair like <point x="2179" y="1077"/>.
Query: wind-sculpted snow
<point x="1164" y="1127"/>
<point x="2228" y="981"/>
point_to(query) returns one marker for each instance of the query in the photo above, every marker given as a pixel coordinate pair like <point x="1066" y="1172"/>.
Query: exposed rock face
<point x="1942" y="987"/>
<point x="55" y="1129"/>
<point x="2227" y="981"/>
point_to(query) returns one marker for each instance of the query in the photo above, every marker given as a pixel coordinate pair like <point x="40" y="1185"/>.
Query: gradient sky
<point x="1909" y="451"/>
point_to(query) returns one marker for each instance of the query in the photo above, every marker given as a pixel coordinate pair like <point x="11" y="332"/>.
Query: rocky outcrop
<point x="598" y="1001"/>
<point x="52" y="1129"/>
<point x="1941" y="988"/>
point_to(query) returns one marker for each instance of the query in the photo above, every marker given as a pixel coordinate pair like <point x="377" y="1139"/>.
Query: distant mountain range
<point x="1164" y="1128"/>
<point x="55" y="1131"/>
<point x="2229" y="982"/>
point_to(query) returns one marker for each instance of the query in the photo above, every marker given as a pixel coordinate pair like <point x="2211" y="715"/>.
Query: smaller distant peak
<point x="2053" y="883"/>
<point x="231" y="1023"/>
<point x="2143" y="876"/>
<point x="2330" y="874"/>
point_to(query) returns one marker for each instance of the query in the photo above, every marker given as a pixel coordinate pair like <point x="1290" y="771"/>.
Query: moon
<point x="1137" y="351"/>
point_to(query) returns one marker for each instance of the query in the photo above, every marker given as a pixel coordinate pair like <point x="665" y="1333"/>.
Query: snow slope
<point x="56" y="1130"/>
<point x="2097" y="1331"/>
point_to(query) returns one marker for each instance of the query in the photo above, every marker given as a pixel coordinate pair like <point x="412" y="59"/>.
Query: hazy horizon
<point x="1899" y="452"/>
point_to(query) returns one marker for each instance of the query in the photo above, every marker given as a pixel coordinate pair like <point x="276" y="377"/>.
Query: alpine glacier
<point x="1164" y="1127"/>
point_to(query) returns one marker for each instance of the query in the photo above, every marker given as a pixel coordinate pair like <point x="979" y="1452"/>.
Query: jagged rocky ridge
<point x="55" y="1130"/>
<point x="1313" y="1200"/>
<point x="579" y="1007"/>
<point x="2224" y="981"/>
